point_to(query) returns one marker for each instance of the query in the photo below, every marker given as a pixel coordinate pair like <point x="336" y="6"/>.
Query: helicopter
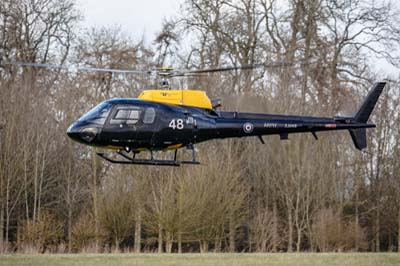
<point x="167" y="119"/>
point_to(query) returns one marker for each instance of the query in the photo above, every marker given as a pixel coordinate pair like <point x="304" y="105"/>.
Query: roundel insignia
<point x="248" y="127"/>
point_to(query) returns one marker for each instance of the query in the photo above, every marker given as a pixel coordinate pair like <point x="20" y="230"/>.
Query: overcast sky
<point x="136" y="17"/>
<point x="144" y="17"/>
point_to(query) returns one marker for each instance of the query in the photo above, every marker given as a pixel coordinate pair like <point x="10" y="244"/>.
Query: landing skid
<point x="151" y="161"/>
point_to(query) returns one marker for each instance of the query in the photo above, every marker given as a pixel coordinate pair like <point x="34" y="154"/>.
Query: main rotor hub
<point x="164" y="82"/>
<point x="165" y="74"/>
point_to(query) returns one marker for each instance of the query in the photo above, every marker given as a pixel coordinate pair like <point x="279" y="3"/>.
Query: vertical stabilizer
<point x="359" y="135"/>
<point x="369" y="103"/>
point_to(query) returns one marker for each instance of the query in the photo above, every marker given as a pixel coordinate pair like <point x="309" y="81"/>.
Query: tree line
<point x="284" y="196"/>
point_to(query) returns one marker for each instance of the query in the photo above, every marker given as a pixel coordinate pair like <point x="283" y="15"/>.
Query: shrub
<point x="84" y="235"/>
<point x="264" y="231"/>
<point x="5" y="247"/>
<point x="331" y="233"/>
<point x="38" y="235"/>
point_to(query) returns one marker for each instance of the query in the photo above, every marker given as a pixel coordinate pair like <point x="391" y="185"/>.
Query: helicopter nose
<point x="73" y="132"/>
<point x="85" y="134"/>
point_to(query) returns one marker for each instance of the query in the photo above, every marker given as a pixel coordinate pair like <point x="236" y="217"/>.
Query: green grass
<point x="353" y="259"/>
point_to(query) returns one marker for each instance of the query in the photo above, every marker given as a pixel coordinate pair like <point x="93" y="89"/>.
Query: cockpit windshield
<point x="98" y="114"/>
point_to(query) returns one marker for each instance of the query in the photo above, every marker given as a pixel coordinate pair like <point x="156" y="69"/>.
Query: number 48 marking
<point x="176" y="124"/>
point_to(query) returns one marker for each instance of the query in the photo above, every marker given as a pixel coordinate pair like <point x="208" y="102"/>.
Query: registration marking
<point x="276" y="125"/>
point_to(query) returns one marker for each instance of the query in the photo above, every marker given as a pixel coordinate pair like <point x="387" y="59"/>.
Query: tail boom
<point x="233" y="124"/>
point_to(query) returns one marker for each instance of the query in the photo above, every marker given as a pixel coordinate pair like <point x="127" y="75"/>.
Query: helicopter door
<point x="145" y="127"/>
<point x="122" y="125"/>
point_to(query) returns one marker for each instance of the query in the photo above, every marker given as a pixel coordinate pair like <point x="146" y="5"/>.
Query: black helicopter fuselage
<point x="136" y="125"/>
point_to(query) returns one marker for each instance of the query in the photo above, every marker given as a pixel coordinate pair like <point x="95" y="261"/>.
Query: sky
<point x="140" y="18"/>
<point x="135" y="17"/>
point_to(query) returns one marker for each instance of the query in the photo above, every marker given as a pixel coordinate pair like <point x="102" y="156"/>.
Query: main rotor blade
<point x="77" y="68"/>
<point x="166" y="72"/>
<point x="230" y="68"/>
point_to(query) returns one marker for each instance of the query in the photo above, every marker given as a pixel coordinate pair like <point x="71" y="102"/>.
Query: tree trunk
<point x="168" y="242"/>
<point x="298" y="240"/>
<point x="179" y="242"/>
<point x="69" y="200"/>
<point x="377" y="233"/>
<point x="94" y="198"/>
<point x="160" y="239"/>
<point x="1" y="192"/>
<point x="203" y="246"/>
<point x="307" y="56"/>
<point x="297" y="218"/>
<point x="357" y="220"/>
<point x="7" y="209"/>
<point x="117" y="245"/>
<point x="2" y="222"/>
<point x="290" y="224"/>
<point x="275" y="236"/>
<point x="334" y="84"/>
<point x="398" y="234"/>
<point x="231" y="236"/>
<point x="7" y="226"/>
<point x="138" y="234"/>
<point x="218" y="244"/>
<point x="26" y="184"/>
<point x="69" y="229"/>
<point x="36" y="185"/>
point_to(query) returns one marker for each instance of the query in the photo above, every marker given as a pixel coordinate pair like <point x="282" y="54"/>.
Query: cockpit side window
<point x="133" y="117"/>
<point x="149" y="115"/>
<point x="130" y="116"/>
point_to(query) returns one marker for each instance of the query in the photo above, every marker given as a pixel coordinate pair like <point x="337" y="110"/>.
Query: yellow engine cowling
<point x="193" y="98"/>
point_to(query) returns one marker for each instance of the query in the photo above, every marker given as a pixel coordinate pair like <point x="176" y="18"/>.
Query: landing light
<point x="88" y="134"/>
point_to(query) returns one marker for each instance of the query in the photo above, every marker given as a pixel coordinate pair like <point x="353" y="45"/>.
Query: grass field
<point x="354" y="259"/>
